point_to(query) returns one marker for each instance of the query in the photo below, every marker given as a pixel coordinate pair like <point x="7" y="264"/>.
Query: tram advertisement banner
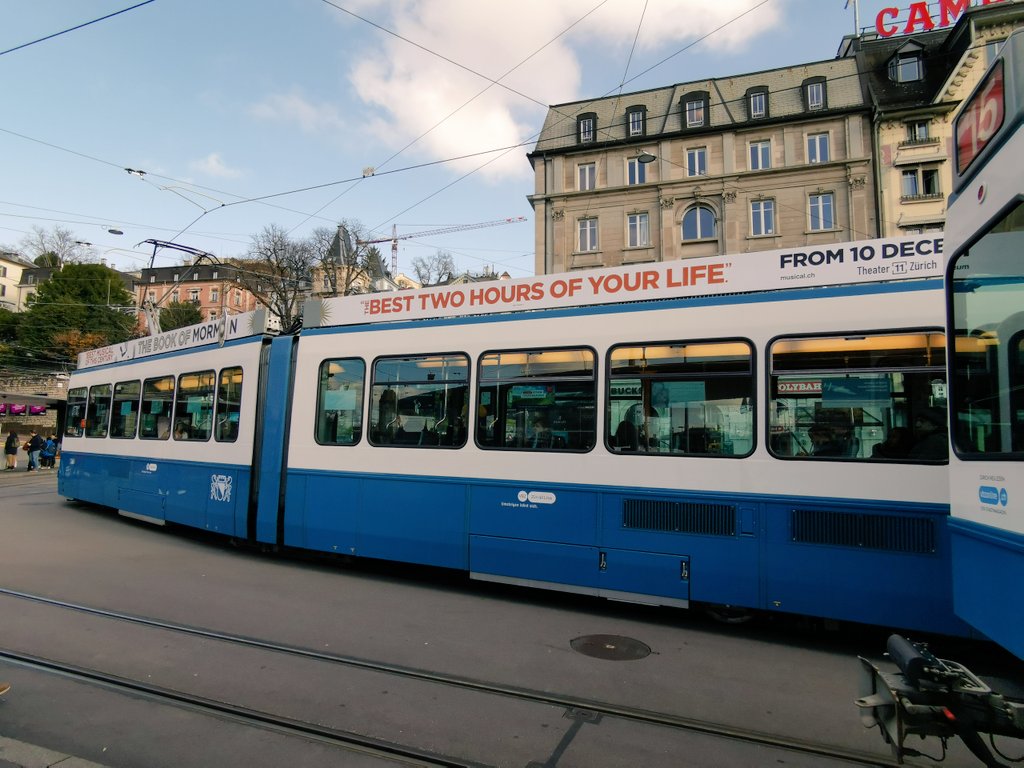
<point x="861" y="261"/>
<point x="225" y="328"/>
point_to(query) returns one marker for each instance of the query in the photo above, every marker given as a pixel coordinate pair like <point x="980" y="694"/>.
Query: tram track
<point x="576" y="708"/>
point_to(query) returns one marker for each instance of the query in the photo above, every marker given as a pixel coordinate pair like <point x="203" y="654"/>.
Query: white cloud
<point x="414" y="90"/>
<point x="293" y="107"/>
<point x="214" y="165"/>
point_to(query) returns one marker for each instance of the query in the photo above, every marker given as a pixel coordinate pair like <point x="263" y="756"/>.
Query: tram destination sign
<point x="860" y="261"/>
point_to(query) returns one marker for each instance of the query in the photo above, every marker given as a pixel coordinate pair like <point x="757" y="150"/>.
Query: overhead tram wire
<point x="454" y="112"/>
<point x="78" y="26"/>
<point x="512" y="90"/>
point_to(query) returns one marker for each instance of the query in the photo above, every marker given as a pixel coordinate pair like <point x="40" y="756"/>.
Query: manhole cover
<point x="610" y="647"/>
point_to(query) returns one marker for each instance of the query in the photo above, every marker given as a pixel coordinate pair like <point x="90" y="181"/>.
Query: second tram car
<point x="986" y="297"/>
<point x="777" y="450"/>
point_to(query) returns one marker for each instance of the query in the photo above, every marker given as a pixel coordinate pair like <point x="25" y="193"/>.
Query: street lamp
<point x="645" y="157"/>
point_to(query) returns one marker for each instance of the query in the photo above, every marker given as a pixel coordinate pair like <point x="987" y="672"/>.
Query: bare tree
<point x="432" y="270"/>
<point x="277" y="271"/>
<point x="339" y="260"/>
<point x="56" y="247"/>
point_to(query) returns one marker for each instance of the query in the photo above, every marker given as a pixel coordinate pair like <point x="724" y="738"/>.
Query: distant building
<point x="213" y="288"/>
<point x="916" y="83"/>
<point x="12" y="269"/>
<point x="735" y="164"/>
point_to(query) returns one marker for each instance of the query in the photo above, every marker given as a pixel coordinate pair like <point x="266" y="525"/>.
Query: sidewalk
<point x="18" y="754"/>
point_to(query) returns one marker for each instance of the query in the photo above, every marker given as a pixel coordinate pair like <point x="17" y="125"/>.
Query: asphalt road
<point x="377" y="664"/>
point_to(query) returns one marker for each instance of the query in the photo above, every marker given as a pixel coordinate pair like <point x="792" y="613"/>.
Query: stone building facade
<point x="733" y="165"/>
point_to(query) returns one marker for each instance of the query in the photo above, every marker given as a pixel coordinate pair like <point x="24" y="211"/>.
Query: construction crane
<point x="395" y="237"/>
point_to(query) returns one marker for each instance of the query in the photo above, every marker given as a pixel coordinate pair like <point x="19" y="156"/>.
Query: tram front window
<point x="988" y="362"/>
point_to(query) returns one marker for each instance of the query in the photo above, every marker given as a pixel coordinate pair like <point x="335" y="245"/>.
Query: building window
<point x="917" y="131"/>
<point x="152" y="278"/>
<point x="992" y="49"/>
<point x="214" y="295"/>
<point x="175" y="296"/>
<point x="695" y="109"/>
<point x="587" y="235"/>
<point x="193" y="295"/>
<point x="817" y="148"/>
<point x="814" y="95"/>
<point x="3" y="290"/>
<point x="3" y="271"/>
<point x="238" y="299"/>
<point x="694" y="114"/>
<point x="639" y="229"/>
<point x="822" y="207"/>
<point x="636" y="172"/>
<point x="636" y="121"/>
<point x="586" y="176"/>
<point x="214" y="277"/>
<point x="757" y="102"/>
<point x="213" y="314"/>
<point x="760" y="155"/>
<point x="697" y="161"/>
<point x="151" y="295"/>
<point x="906" y="67"/>
<point x="762" y="217"/>
<point x="586" y="128"/>
<point x="920" y="183"/>
<point x="699" y="223"/>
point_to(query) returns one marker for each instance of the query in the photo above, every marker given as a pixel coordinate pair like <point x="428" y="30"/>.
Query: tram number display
<point x="980" y="119"/>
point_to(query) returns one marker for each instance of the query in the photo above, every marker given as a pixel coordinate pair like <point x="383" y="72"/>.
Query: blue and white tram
<point x="147" y="421"/>
<point x="986" y="298"/>
<point x="620" y="433"/>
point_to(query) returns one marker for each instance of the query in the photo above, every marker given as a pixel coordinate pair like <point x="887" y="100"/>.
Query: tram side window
<point x="77" y="399"/>
<point x="157" y="400"/>
<point x="988" y="361"/>
<point x="537" y="400"/>
<point x="124" y="418"/>
<point x="97" y="419"/>
<point x="193" y="406"/>
<point x="419" y="402"/>
<point x="339" y="411"/>
<point x="878" y="397"/>
<point x="229" y="405"/>
<point x="684" y="398"/>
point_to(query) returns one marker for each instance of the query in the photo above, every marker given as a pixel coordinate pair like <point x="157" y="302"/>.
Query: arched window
<point x="699" y="223"/>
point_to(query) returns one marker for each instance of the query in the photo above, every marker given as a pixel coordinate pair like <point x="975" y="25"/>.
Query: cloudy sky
<point x="244" y="113"/>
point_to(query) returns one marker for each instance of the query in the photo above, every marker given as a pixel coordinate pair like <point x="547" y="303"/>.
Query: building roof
<point x="726" y="99"/>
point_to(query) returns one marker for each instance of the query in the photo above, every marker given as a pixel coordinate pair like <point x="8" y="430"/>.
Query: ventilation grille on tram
<point x="883" y="532"/>
<point x="679" y="517"/>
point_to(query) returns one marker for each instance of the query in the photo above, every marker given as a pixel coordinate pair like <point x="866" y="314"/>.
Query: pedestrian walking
<point x="11" y="450"/>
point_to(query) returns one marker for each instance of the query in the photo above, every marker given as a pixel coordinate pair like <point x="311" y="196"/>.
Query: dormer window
<point x="586" y="128"/>
<point x="814" y="94"/>
<point x="636" y="121"/>
<point x="907" y="65"/>
<point x="757" y="102"/>
<point x="695" y="109"/>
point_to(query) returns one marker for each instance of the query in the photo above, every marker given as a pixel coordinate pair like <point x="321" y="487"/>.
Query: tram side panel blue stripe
<point x="567" y="517"/>
<point x="988" y="570"/>
<point x="410" y="520"/>
<point x="274" y="416"/>
<point x="859" y="583"/>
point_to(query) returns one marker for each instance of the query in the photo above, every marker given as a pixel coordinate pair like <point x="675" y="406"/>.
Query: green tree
<point x="90" y="298"/>
<point x="179" y="314"/>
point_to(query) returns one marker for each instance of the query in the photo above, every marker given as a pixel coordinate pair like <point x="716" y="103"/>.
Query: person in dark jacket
<point x="11" y="450"/>
<point x="35" y="446"/>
